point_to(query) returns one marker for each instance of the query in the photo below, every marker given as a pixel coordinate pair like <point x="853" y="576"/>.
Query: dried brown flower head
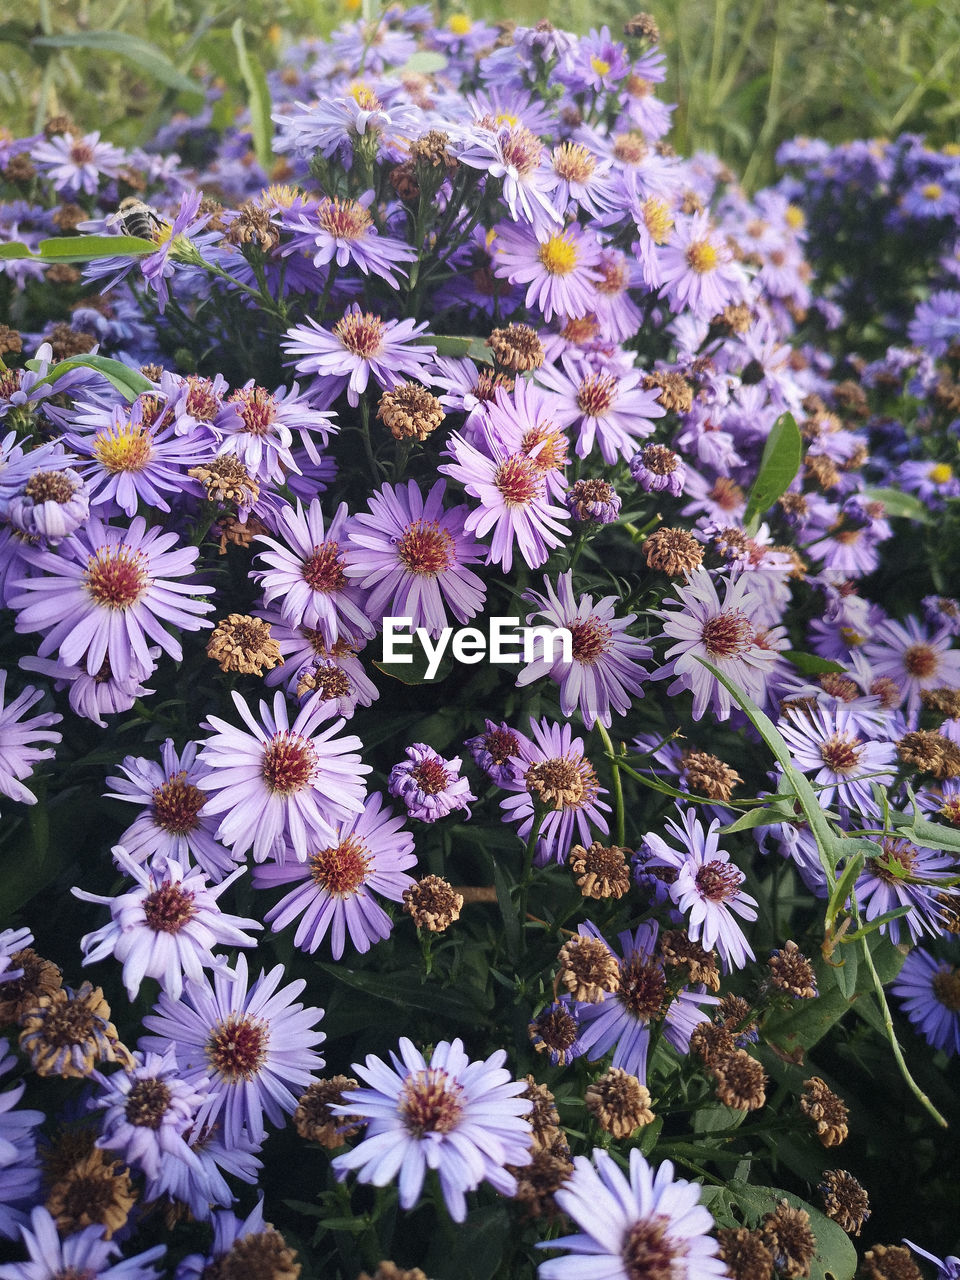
<point x="226" y="479"/>
<point x="709" y="776"/>
<point x="242" y="643"/>
<point x="889" y="1262"/>
<point x="741" y="1081"/>
<point x="430" y="151"/>
<point x="945" y="702"/>
<point x="549" y="1168"/>
<point x="62" y="273"/>
<point x="96" y="1191"/>
<point x="19" y="168"/>
<point x="851" y="398"/>
<point x="517" y="348"/>
<point x="673" y="551"/>
<point x="678" y="949"/>
<point x="410" y="412"/>
<point x="313" y="1119"/>
<point x="642" y="26"/>
<point x="745" y="1254"/>
<point x="844" y="1200"/>
<point x="38" y="978"/>
<point x="325" y="679"/>
<point x="829" y="1113"/>
<point x="930" y="753"/>
<point x="66" y="1032"/>
<point x="792" y="972"/>
<point x="821" y="470"/>
<point x="560" y="782"/>
<point x="675" y="392"/>
<point x="433" y="904"/>
<point x="619" y="1103"/>
<point x="68" y="217"/>
<point x="735" y="1013"/>
<point x="588" y="969"/>
<point x="66" y="342"/>
<point x="10" y="340"/>
<point x="543" y="1116"/>
<point x="252" y="225"/>
<point x="735" y="318"/>
<point x="602" y="871"/>
<point x="261" y="1255"/>
<point x="237" y="533"/>
<point x="712" y="1043"/>
<point x="787" y="1235"/>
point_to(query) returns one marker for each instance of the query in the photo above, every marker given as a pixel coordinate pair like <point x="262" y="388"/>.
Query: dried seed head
<point x="675" y="392"/>
<point x="252" y="225"/>
<point x="712" y="1043"/>
<point x="10" y="340"/>
<point x="889" y="1262"/>
<point x="602" y="871"/>
<point x="619" y="1103"/>
<point x="549" y="1168"/>
<point x="517" y="348"/>
<point x="642" y="26"/>
<point x="66" y="1032"/>
<point x="673" y="551"/>
<point x="314" y="1120"/>
<point x="791" y="971"/>
<point x="237" y="533"/>
<point x="226" y="479"/>
<point x="242" y="643"/>
<point x="945" y="702"/>
<point x="844" y="1200"/>
<point x="67" y="342"/>
<point x="677" y="949"/>
<point x="741" y="1081"/>
<point x="97" y="1192"/>
<point x="745" y="1254"/>
<point x="787" y="1235"/>
<point x="544" y="1117"/>
<point x="709" y="776"/>
<point x="261" y="1255"/>
<point x="930" y="753"/>
<point x="433" y="904"/>
<point x="410" y="412"/>
<point x="430" y="150"/>
<point x="39" y="978"/>
<point x="821" y="470"/>
<point x="829" y="1113"/>
<point x="735" y="318"/>
<point x="588" y="969"/>
<point x="554" y="1031"/>
<point x="734" y="1013"/>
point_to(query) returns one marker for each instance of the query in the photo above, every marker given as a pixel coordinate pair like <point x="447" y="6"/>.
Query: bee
<point x="139" y="219"/>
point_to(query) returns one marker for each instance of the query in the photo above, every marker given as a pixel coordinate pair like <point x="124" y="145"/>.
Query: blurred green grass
<point x="745" y="74"/>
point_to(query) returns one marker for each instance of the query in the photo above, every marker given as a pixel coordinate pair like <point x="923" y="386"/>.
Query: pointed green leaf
<point x="16" y="249"/>
<point x="129" y="47"/>
<point x="808" y="664"/>
<point x="897" y="503"/>
<point x="779" y="464"/>
<point x="129" y="382"/>
<point x="258" y="98"/>
<point x="88" y="248"/>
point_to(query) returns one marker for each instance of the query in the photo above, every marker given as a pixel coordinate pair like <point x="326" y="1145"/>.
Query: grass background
<point x="745" y="74"/>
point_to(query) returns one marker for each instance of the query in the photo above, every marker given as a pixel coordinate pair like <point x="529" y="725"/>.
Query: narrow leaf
<point x="16" y="249"/>
<point x="129" y="382"/>
<point x="808" y="664"/>
<point x="129" y="47"/>
<point x="258" y="96"/>
<point x="453" y="345"/>
<point x="778" y="466"/>
<point x="424" y="62"/>
<point x="88" y="248"/>
<point x="897" y="503"/>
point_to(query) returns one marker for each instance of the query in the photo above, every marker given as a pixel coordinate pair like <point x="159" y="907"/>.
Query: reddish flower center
<point x="545" y="447"/>
<point x="726" y="494"/>
<point x="589" y="640"/>
<point x="168" y="908"/>
<point x="426" y="549"/>
<point x="643" y="988"/>
<point x="596" y="394"/>
<point x="517" y="480"/>
<point x="361" y="334"/>
<point x="650" y="1253"/>
<point x="202" y="403"/>
<point x="660" y="460"/>
<point x="522" y="149"/>
<point x="257" y="408"/>
<point x="50" y="486"/>
<point x="345" y="219"/>
<point x="289" y="763"/>
<point x="581" y="330"/>
<point x="176" y="805"/>
<point x="116" y="577"/>
<point x="342" y="868"/>
<point x="324" y="570"/>
<point x="946" y="988"/>
<point x="728" y="634"/>
<point x="841" y="752"/>
<point x="81" y="153"/>
<point x="501" y="745"/>
<point x="920" y="661"/>
<point x="719" y="880"/>
<point x="573" y="161"/>
<point x="147" y="1103"/>
<point x="487" y="385"/>
<point x="950" y="811"/>
<point x="430" y="1102"/>
<point x="237" y="1048"/>
<point x="630" y="148"/>
<point x="430" y="776"/>
<point x="613" y="276"/>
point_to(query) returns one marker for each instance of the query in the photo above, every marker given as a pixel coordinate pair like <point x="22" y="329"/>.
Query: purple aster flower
<point x="85" y="1254"/>
<point x="827" y="743"/>
<point x="493" y="751"/>
<point x="913" y="659"/>
<point x="936" y="322"/>
<point x="166" y="928"/>
<point x="93" y="696"/>
<point x="593" y="502"/>
<point x="252" y="1046"/>
<point x="621" y="1020"/>
<point x="148" y="1112"/>
<point x="585" y="181"/>
<point x="307" y="574"/>
<point x="707" y="887"/>
<point x="73" y="164"/>
<point x="930" y="991"/>
<point x="903" y="875"/>
<point x="430" y="786"/>
<point x="343" y="231"/>
<point x="559" y="268"/>
<point x="341" y="125"/>
<point x="511" y="489"/>
<point x="524" y="420"/>
<point x="369" y="854"/>
<point x="515" y="154"/>
<point x="175" y="246"/>
<point x="722" y="632"/>
<point x="658" y="469"/>
<point x="930" y="481"/>
<point x="202" y="1187"/>
<point x="258" y="427"/>
<point x="943" y="612"/>
<point x="18" y="752"/>
<point x="228" y="1229"/>
<point x="281" y="786"/>
<point x="603" y="671"/>
<point x="649" y="1224"/>
<point x="20" y="1171"/>
<point x="464" y="1119"/>
<point x="948" y="1268"/>
<point x="172" y="823"/>
<point x="552" y="770"/>
<point x="359" y="345"/>
<point x="53" y="500"/>
<point x="606" y="404"/>
<point x="698" y="269"/>
<point x="410" y="555"/>
<point x="106" y="592"/>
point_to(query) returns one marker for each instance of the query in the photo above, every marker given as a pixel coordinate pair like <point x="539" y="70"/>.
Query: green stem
<point x="539" y="813"/>
<point x="367" y="442"/>
<point x="619" y="816"/>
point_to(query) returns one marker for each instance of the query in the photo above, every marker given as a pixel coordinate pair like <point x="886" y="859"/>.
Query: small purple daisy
<point x="430" y="786"/>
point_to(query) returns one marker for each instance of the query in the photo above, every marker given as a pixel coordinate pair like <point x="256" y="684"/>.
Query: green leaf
<point x="450" y="345"/>
<point x="835" y="1258"/>
<point x="764" y="816"/>
<point x="475" y="1249"/>
<point x="808" y="664"/>
<point x="16" y="249"/>
<point x="845" y="882"/>
<point x="258" y="97"/>
<point x="778" y="466"/>
<point x="129" y="382"/>
<point x="424" y="62"/>
<point x="898" y="503"/>
<point x="845" y="968"/>
<point x="408" y="991"/>
<point x="88" y="248"/>
<point x="129" y="47"/>
<point x="512" y="927"/>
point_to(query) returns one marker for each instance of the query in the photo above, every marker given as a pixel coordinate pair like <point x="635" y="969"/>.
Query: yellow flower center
<point x="932" y="191"/>
<point x="506" y="117"/>
<point x="702" y="256"/>
<point x="460" y="24"/>
<point x="559" y="254"/>
<point x="941" y="473"/>
<point x="795" y="217"/>
<point x="364" y="96"/>
<point x="599" y="65"/>
<point x="657" y="218"/>
<point x="125" y="446"/>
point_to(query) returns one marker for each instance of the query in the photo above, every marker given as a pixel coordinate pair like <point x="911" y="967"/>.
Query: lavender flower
<point x="87" y="1253"/>
<point x="930" y="991"/>
<point x="429" y="785"/>
<point x="914" y="660"/>
<point x="558" y="268"/>
<point x="828" y="744"/>
<point x="18" y="737"/>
